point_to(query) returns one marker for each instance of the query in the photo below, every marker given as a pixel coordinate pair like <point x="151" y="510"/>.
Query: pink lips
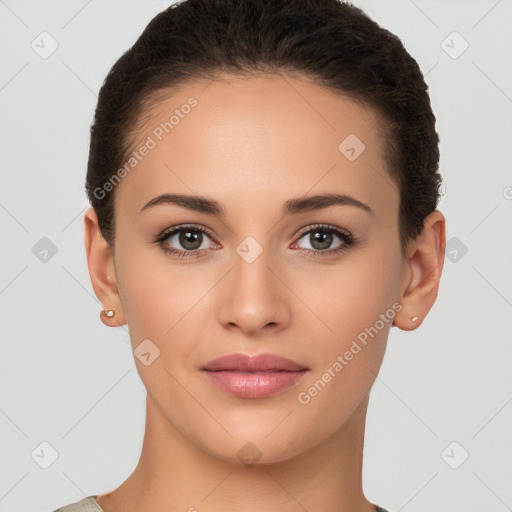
<point x="253" y="377"/>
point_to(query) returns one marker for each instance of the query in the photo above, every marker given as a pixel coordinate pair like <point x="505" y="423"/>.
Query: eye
<point x="190" y="241"/>
<point x="321" y="237"/>
<point x="184" y="241"/>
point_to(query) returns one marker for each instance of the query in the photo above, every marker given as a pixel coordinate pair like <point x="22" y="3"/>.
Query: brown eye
<point x="189" y="239"/>
<point x="186" y="241"/>
<point x="321" y="239"/>
<point x="186" y="238"/>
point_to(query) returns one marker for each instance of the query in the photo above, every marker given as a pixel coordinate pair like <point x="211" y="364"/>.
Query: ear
<point x="100" y="261"/>
<point x="421" y="283"/>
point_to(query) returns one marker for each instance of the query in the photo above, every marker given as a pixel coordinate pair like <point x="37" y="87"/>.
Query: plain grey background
<point x="438" y="433"/>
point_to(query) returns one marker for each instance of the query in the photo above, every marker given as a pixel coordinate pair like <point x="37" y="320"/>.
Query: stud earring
<point x="109" y="312"/>
<point x="414" y="318"/>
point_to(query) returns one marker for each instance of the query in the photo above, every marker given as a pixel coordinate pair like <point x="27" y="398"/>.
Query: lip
<point x="253" y="377"/>
<point x="256" y="363"/>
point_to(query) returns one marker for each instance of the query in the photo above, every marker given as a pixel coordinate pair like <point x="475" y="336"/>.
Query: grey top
<point x="90" y="504"/>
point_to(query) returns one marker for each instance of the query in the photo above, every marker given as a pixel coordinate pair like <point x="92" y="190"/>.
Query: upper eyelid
<point x="181" y="227"/>
<point x="326" y="227"/>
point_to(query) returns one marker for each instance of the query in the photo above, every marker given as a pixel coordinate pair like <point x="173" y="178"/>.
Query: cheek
<point x="349" y="343"/>
<point x="164" y="302"/>
<point x="353" y="306"/>
<point x="343" y="300"/>
<point x="155" y="293"/>
<point x="159" y="304"/>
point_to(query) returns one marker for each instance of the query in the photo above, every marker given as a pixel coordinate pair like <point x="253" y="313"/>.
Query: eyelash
<point x="347" y="239"/>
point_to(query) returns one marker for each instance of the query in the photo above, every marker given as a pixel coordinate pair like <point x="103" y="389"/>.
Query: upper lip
<point x="256" y="363"/>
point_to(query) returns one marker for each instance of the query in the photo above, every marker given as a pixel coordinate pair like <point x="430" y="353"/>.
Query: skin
<point x="251" y="144"/>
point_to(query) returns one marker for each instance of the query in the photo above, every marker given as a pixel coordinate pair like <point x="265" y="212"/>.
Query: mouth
<point x="253" y="377"/>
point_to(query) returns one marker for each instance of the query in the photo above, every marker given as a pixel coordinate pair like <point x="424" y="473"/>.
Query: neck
<point x="174" y="474"/>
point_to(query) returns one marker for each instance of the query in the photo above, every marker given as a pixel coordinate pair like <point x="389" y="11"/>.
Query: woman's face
<point x="252" y="283"/>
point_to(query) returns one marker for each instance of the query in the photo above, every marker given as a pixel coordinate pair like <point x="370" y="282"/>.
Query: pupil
<point x="184" y="239"/>
<point x="324" y="238"/>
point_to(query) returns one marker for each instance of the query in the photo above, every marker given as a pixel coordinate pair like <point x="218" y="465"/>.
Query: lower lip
<point x="254" y="385"/>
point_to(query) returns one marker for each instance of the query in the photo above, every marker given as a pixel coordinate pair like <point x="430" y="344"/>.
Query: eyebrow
<point x="292" y="206"/>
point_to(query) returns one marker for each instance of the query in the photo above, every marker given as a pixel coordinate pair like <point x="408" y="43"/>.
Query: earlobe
<point x="100" y="262"/>
<point x="424" y="267"/>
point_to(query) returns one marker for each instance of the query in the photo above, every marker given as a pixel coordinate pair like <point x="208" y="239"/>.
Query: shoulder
<point x="88" y="504"/>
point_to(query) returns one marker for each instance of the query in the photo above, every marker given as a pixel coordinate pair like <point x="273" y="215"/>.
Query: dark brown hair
<point x="332" y="43"/>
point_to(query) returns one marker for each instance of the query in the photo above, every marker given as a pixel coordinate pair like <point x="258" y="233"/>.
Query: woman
<point x="263" y="179"/>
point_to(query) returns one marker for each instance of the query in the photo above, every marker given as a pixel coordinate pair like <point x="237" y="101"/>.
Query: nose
<point x="254" y="298"/>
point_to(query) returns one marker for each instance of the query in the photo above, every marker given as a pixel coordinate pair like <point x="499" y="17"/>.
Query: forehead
<point x="234" y="137"/>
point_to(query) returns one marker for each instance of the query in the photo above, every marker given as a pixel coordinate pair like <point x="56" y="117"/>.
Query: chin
<point x="250" y="447"/>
